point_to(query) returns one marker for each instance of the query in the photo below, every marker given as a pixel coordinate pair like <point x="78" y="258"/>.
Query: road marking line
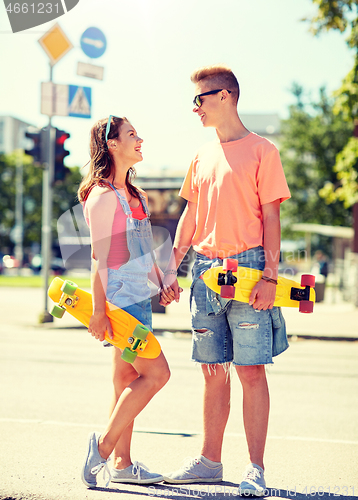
<point x="174" y="432"/>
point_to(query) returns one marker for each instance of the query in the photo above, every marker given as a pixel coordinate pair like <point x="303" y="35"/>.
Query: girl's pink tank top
<point x="118" y="252"/>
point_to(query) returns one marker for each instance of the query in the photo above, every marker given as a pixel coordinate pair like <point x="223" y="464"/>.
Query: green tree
<point x="312" y="137"/>
<point x="64" y="197"/>
<point x="342" y="15"/>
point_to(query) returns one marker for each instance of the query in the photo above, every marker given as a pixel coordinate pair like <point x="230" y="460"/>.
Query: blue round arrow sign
<point x="93" y="42"/>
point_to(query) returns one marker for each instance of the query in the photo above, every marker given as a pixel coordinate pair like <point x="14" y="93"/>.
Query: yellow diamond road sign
<point x="55" y="43"/>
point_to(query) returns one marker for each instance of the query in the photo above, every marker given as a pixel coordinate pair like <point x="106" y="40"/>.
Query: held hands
<point x="263" y="295"/>
<point x="170" y="291"/>
<point x="99" y="323"/>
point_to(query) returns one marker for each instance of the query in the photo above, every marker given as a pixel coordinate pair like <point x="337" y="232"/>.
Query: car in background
<point x="56" y="265"/>
<point x="9" y="262"/>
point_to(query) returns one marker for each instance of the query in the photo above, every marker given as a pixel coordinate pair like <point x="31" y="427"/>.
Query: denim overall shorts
<point x="127" y="286"/>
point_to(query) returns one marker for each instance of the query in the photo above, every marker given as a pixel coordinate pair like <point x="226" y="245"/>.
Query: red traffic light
<point x="61" y="137"/>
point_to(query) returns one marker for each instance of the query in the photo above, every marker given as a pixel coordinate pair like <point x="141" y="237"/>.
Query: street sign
<point x="65" y="100"/>
<point x="90" y="70"/>
<point x="54" y="99"/>
<point x="55" y="43"/>
<point x="79" y="101"/>
<point x="93" y="42"/>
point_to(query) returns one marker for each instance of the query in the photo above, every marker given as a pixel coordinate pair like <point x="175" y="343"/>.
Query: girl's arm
<point x="101" y="206"/>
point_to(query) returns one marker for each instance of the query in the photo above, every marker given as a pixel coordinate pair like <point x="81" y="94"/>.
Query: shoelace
<point x="253" y="474"/>
<point x="189" y="462"/>
<point x="103" y="465"/>
<point x="137" y="466"/>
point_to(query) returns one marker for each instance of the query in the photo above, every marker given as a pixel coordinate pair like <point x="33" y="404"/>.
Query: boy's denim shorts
<point x="226" y="331"/>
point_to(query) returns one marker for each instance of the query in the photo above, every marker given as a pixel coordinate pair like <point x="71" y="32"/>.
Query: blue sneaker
<point x="254" y="481"/>
<point x="137" y="473"/>
<point x="94" y="463"/>
<point x="196" y="470"/>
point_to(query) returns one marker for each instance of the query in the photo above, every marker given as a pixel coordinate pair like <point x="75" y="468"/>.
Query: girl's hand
<point x="98" y="325"/>
<point x="167" y="295"/>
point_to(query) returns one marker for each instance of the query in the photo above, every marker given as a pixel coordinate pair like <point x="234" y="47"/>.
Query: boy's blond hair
<point x="218" y="76"/>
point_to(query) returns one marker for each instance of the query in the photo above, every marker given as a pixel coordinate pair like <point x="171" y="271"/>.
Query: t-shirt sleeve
<point x="189" y="190"/>
<point x="271" y="180"/>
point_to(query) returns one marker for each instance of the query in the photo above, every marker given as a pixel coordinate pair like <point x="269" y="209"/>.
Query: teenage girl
<point x="121" y="239"/>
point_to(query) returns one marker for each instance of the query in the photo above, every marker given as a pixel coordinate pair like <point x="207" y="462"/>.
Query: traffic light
<point x="60" y="154"/>
<point x="36" y="135"/>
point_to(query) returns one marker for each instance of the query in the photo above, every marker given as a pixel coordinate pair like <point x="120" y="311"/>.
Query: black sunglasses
<point x="198" y="102"/>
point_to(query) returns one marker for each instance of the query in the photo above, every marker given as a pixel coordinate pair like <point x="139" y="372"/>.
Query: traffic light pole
<point x="46" y="233"/>
<point x="19" y="225"/>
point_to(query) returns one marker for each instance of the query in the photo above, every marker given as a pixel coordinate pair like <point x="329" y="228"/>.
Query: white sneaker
<point x="196" y="470"/>
<point x="137" y="473"/>
<point x="94" y="463"/>
<point x="253" y="482"/>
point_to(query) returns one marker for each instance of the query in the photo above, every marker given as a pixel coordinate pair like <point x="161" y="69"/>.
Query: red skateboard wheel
<point x="227" y="292"/>
<point x="230" y="265"/>
<point x="306" y="306"/>
<point x="308" y="280"/>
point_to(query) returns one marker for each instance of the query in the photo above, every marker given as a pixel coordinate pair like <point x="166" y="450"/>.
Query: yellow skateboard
<point x="129" y="334"/>
<point x="231" y="281"/>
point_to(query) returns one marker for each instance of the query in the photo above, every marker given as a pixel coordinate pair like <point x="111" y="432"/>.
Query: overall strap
<point x="123" y="201"/>
<point x="144" y="205"/>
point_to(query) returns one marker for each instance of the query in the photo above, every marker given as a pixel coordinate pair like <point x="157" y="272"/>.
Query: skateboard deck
<point x="129" y="334"/>
<point x="234" y="282"/>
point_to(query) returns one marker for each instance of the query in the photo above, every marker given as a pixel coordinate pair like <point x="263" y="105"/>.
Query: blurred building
<point x="12" y="134"/>
<point x="267" y="125"/>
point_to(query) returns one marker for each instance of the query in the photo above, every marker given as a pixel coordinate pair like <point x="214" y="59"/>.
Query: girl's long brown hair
<point x="101" y="169"/>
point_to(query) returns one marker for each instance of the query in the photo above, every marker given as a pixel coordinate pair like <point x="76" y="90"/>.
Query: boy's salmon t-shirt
<point x="230" y="182"/>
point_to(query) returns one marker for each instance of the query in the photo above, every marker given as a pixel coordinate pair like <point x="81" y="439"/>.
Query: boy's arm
<point x="182" y="242"/>
<point x="263" y="294"/>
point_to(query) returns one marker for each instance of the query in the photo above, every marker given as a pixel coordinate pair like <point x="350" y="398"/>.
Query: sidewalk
<point x="334" y="321"/>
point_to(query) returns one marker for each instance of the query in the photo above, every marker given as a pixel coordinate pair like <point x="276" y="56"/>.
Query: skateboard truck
<point x="68" y="300"/>
<point x="300" y="294"/>
<point x="138" y="345"/>
<point x="68" y="297"/>
<point x="227" y="280"/>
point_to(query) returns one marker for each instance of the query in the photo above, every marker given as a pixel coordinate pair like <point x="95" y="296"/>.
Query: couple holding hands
<point x="234" y="188"/>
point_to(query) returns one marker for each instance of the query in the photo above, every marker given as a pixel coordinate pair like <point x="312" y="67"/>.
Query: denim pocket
<point x="276" y="317"/>
<point x="114" y="288"/>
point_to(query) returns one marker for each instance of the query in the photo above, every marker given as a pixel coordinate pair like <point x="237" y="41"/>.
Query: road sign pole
<point x="47" y="194"/>
<point x="56" y="44"/>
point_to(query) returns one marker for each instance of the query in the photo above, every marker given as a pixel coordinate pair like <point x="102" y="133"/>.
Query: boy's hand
<point x="168" y="293"/>
<point x="263" y="295"/>
<point x="171" y="281"/>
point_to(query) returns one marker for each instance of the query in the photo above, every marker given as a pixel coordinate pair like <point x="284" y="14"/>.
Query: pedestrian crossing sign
<point x="79" y="101"/>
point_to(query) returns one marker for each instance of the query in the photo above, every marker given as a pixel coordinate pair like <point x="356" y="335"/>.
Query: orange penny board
<point x="123" y="324"/>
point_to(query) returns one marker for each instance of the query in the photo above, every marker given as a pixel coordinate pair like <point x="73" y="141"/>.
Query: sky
<point x="152" y="48"/>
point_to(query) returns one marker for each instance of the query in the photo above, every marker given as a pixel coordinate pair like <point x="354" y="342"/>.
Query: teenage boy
<point x="233" y="189"/>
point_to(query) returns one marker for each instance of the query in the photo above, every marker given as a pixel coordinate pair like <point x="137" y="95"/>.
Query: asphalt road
<point x="55" y="387"/>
